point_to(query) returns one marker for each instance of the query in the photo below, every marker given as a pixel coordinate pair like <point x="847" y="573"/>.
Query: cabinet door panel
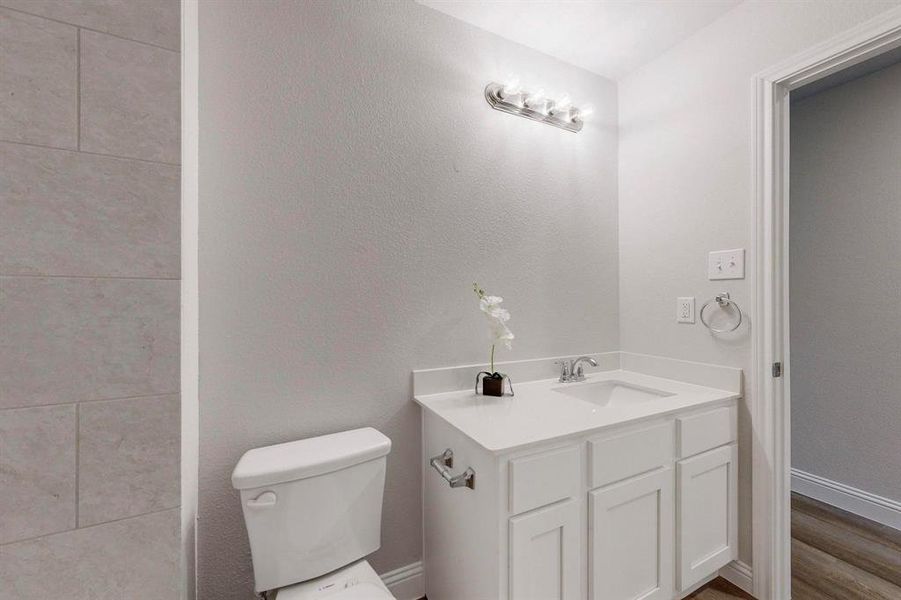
<point x="631" y="539"/>
<point x="707" y="514"/>
<point x="545" y="553"/>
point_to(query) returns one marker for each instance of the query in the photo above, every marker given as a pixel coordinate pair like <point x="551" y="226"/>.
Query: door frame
<point x="771" y="409"/>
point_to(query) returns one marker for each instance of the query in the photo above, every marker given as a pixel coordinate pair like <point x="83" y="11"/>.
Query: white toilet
<point x="313" y="510"/>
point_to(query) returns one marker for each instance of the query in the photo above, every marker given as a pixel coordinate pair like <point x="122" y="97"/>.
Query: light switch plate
<point x="726" y="264"/>
<point x="685" y="309"/>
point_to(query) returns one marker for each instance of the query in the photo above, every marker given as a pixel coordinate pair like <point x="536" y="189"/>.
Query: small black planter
<point x="492" y="383"/>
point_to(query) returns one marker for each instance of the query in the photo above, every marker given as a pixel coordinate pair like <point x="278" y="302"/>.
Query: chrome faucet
<point x="572" y="370"/>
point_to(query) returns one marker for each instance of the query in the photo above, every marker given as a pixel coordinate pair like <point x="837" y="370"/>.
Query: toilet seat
<point x="357" y="581"/>
<point x="362" y="591"/>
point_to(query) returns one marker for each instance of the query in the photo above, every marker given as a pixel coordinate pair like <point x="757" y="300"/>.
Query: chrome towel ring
<point x="723" y="301"/>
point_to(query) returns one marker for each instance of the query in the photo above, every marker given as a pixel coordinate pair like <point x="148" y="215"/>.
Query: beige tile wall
<point x="89" y="299"/>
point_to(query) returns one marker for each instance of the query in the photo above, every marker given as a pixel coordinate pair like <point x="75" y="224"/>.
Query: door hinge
<point x="777" y="369"/>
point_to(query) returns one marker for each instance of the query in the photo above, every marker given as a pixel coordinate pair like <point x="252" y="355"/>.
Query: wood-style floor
<point x="835" y="556"/>
<point x="839" y="556"/>
<point x="719" y="589"/>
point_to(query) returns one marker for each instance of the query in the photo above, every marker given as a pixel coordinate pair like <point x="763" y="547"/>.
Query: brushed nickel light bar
<point x="509" y="98"/>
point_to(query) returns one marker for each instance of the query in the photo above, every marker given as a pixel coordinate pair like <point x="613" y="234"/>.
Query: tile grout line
<point x="78" y="89"/>
<point x="78" y="151"/>
<point x="77" y="462"/>
<point x="93" y="400"/>
<point x="105" y="277"/>
<point x="119" y="520"/>
<point x="143" y="43"/>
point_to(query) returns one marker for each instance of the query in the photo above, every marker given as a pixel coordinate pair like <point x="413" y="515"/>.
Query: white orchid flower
<point x="497" y="320"/>
<point x="491" y="306"/>
<point x="500" y="333"/>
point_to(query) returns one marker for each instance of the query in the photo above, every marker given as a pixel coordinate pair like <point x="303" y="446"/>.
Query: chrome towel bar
<point x="444" y="462"/>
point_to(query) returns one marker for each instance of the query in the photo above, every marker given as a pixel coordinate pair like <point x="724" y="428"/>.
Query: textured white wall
<point x="846" y="283"/>
<point x="685" y="177"/>
<point x="353" y="184"/>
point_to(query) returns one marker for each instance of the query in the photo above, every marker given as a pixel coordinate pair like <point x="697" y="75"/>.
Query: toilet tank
<point x="312" y="506"/>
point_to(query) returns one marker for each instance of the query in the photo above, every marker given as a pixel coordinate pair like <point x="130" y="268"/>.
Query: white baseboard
<point x="406" y="583"/>
<point x="738" y="573"/>
<point x="861" y="503"/>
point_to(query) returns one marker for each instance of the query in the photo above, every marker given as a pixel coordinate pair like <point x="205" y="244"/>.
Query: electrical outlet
<point x="685" y="310"/>
<point x="726" y="264"/>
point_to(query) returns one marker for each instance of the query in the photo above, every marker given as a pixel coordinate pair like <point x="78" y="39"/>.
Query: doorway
<point x="771" y="373"/>
<point x="844" y="260"/>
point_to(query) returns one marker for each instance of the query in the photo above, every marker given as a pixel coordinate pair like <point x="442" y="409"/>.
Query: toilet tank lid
<point x="291" y="461"/>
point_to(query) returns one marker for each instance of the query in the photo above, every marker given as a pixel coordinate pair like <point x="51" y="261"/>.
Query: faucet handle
<point x="564" y="369"/>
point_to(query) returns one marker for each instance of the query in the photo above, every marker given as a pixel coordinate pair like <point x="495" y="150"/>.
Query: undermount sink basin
<point x="611" y="393"/>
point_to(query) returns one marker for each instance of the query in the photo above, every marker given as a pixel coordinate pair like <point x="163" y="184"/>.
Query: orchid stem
<point x="492" y="358"/>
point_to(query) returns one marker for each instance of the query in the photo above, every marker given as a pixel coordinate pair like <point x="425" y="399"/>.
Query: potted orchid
<point x="493" y="382"/>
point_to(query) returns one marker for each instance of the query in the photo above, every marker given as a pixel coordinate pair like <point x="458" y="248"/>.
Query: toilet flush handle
<point x="264" y="500"/>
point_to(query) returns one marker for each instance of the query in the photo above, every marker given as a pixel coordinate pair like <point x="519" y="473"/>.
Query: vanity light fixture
<point x="510" y="98"/>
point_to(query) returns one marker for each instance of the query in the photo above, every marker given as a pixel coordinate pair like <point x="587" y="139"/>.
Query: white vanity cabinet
<point x="639" y="511"/>
<point x="631" y="538"/>
<point x="706" y="495"/>
<point x="545" y="553"/>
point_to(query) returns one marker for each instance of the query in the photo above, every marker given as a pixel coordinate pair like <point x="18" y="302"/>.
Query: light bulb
<point x="511" y="92"/>
<point x="511" y="86"/>
<point x="537" y="102"/>
<point x="583" y="112"/>
<point x="564" y="114"/>
<point x="536" y="96"/>
<point x="562" y="108"/>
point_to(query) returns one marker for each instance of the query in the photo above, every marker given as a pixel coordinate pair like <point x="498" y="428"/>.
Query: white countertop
<point x="540" y="413"/>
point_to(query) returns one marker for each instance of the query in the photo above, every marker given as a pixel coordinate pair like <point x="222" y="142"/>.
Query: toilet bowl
<point x="313" y="510"/>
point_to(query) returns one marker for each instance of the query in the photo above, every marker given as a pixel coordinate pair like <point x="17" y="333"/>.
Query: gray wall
<point x="685" y="180"/>
<point x="89" y="270"/>
<point x="353" y="184"/>
<point x="846" y="283"/>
